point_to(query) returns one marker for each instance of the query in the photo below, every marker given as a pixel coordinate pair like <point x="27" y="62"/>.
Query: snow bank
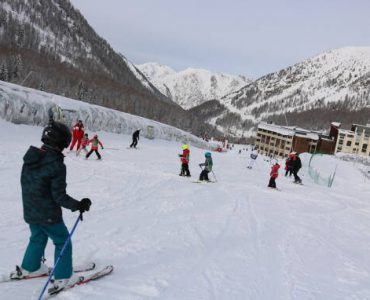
<point x="22" y="105"/>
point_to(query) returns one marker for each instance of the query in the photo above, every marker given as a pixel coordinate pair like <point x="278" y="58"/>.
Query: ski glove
<point x="84" y="205"/>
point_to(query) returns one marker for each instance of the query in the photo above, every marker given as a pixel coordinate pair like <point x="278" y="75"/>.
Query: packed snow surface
<point x="169" y="238"/>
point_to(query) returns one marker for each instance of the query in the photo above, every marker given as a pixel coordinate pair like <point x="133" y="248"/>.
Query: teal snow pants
<point x="58" y="233"/>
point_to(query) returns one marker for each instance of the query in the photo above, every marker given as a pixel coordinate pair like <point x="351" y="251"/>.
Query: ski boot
<point x="20" y="273"/>
<point x="61" y="284"/>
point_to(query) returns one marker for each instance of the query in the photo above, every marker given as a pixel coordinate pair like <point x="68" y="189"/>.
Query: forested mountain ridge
<point x="48" y="45"/>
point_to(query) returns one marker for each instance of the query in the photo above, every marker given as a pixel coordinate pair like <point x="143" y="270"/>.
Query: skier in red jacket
<point x="77" y="135"/>
<point x="185" y="158"/>
<point x="274" y="174"/>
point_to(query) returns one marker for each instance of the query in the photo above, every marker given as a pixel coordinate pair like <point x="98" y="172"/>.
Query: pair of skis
<point x="83" y="279"/>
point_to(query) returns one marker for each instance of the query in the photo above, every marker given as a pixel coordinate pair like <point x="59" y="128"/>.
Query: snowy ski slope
<point x="169" y="238"/>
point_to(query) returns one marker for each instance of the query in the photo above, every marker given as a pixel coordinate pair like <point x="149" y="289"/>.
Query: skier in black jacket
<point x="43" y="182"/>
<point x="296" y="164"/>
<point x="135" y="138"/>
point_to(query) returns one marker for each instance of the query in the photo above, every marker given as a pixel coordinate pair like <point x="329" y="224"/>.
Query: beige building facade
<point x="278" y="141"/>
<point x="354" y="141"/>
<point x="274" y="140"/>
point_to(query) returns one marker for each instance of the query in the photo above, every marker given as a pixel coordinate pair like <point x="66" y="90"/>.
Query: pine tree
<point x="42" y="86"/>
<point x="4" y="72"/>
<point x="81" y="91"/>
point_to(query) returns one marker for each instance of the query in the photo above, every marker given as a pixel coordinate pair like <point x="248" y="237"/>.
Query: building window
<point x="364" y="147"/>
<point x="349" y="143"/>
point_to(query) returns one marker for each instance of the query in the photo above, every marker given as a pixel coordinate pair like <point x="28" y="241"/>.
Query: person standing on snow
<point x="84" y="143"/>
<point x="252" y="159"/>
<point x="43" y="182"/>
<point x="95" y="142"/>
<point x="296" y="166"/>
<point x="185" y="158"/>
<point x="208" y="164"/>
<point x="77" y="135"/>
<point x="288" y="165"/>
<point x="274" y="174"/>
<point x="135" y="138"/>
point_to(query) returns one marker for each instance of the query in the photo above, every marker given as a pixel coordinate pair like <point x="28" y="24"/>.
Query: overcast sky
<point x="245" y="37"/>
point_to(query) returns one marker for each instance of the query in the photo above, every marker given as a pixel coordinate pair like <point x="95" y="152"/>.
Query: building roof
<point x="357" y="127"/>
<point x="346" y="131"/>
<point x="276" y="128"/>
<point x="290" y="131"/>
<point x="309" y="135"/>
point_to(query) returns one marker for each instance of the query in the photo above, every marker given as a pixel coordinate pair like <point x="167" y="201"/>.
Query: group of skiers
<point x="82" y="139"/>
<point x="292" y="166"/>
<point x="43" y="183"/>
<point x="185" y="159"/>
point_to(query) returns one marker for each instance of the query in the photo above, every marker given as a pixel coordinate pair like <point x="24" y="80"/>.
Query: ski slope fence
<point x="22" y="105"/>
<point x="316" y="175"/>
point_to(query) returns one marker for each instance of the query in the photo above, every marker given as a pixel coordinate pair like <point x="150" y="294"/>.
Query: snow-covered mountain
<point x="334" y="84"/>
<point x="191" y="87"/>
<point x="49" y="45"/>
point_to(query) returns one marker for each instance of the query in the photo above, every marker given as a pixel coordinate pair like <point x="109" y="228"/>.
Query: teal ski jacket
<point x="43" y="182"/>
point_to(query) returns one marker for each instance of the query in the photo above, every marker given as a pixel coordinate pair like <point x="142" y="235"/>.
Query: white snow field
<point x="171" y="239"/>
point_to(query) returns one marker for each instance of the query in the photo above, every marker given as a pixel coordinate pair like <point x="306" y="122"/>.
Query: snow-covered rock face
<point x="326" y="78"/>
<point x="337" y="79"/>
<point x="191" y="87"/>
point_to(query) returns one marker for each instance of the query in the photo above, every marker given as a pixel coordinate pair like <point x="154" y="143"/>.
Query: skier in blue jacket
<point x="43" y="182"/>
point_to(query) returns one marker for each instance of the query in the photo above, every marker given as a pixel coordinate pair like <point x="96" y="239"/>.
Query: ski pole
<point x="214" y="175"/>
<point x="60" y="255"/>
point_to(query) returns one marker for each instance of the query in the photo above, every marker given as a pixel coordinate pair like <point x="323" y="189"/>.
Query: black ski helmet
<point x="56" y="134"/>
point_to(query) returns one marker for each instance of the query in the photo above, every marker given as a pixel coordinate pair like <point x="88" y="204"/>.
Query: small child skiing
<point x="84" y="143"/>
<point x="185" y="158"/>
<point x="43" y="182"/>
<point x="253" y="157"/>
<point x="95" y="142"/>
<point x="208" y="164"/>
<point x="273" y="175"/>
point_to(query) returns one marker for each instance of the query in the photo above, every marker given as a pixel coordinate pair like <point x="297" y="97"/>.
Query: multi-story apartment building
<point x="279" y="141"/>
<point x="354" y="141"/>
